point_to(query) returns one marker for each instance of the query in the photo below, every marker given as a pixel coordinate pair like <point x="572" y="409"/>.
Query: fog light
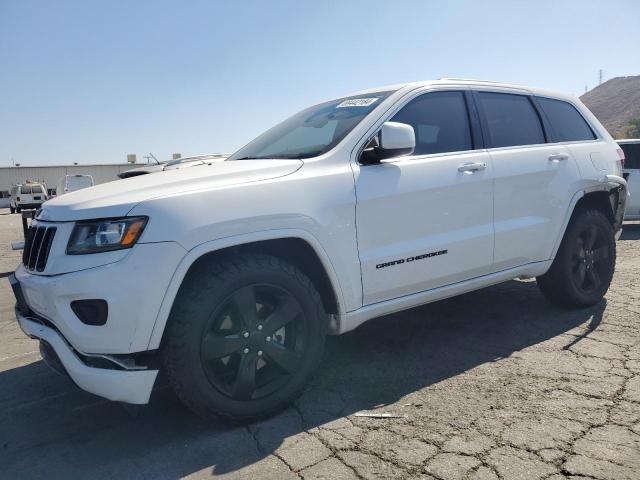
<point x="91" y="312"/>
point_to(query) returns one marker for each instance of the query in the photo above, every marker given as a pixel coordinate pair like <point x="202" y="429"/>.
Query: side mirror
<point x="393" y="140"/>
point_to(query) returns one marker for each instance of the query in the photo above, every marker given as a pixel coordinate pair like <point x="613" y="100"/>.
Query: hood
<point x="117" y="198"/>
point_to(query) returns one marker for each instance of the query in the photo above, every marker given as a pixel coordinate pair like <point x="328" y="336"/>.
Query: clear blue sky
<point x="90" y="81"/>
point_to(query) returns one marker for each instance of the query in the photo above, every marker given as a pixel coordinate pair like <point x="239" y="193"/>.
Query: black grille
<point x="37" y="246"/>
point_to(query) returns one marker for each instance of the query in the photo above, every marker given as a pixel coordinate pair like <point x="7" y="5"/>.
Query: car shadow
<point x="51" y="429"/>
<point x="630" y="231"/>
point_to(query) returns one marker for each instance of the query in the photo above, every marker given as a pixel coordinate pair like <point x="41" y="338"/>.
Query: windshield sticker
<point x="357" y="102"/>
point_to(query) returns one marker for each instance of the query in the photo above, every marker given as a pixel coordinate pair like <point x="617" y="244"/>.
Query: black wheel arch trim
<point x="228" y="245"/>
<point x="618" y="192"/>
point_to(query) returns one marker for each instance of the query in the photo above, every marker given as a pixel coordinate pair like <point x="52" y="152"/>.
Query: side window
<point x="632" y="155"/>
<point x="440" y="122"/>
<point x="567" y="123"/>
<point x="510" y="119"/>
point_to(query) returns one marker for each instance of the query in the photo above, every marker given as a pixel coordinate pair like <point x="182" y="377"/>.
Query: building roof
<point x="65" y="165"/>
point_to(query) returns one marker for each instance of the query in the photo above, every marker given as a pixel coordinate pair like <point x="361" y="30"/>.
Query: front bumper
<point x="100" y="359"/>
<point x="29" y="206"/>
<point x="133" y="288"/>
<point x="119" y="385"/>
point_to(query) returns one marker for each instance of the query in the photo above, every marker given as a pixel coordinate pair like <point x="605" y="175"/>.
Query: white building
<point x="50" y="174"/>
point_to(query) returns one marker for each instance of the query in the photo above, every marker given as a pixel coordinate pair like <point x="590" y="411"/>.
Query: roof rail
<point x="468" y="80"/>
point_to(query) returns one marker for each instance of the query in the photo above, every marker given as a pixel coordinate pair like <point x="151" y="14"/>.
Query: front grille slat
<point x="43" y="254"/>
<point x="37" y="247"/>
<point x="27" y="245"/>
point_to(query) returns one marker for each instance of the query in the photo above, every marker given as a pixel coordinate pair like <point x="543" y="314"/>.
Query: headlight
<point x="105" y="235"/>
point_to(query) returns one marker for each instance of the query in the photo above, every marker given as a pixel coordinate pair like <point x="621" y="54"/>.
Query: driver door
<point x="425" y="220"/>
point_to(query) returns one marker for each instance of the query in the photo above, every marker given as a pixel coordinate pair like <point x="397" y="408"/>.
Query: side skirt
<point x="351" y="320"/>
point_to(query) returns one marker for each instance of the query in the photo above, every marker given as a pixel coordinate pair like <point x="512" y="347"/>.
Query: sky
<point x="92" y="81"/>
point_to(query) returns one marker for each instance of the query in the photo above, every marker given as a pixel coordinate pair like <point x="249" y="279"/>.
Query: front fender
<point x="232" y="241"/>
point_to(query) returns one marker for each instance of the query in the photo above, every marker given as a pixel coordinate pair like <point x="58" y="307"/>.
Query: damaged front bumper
<point x="119" y="383"/>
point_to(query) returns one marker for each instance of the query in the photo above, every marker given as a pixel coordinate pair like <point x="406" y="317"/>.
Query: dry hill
<point x="615" y="102"/>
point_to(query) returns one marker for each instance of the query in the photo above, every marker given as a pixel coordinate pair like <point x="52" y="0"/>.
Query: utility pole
<point x="151" y="156"/>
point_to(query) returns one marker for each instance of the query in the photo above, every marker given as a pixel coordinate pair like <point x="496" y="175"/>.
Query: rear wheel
<point x="18" y="209"/>
<point x="244" y="337"/>
<point x="583" y="268"/>
<point x="11" y="209"/>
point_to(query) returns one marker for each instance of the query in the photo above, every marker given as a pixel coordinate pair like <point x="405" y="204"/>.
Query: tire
<point x="265" y="315"/>
<point x="11" y="209"/>
<point x="582" y="271"/>
<point x="18" y="210"/>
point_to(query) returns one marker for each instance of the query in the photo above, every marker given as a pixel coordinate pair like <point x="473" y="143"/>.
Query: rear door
<point x="426" y="220"/>
<point x="532" y="178"/>
<point x="78" y="182"/>
<point x="26" y="195"/>
<point x="39" y="194"/>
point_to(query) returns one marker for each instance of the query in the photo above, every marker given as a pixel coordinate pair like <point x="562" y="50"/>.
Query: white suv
<point x="229" y="275"/>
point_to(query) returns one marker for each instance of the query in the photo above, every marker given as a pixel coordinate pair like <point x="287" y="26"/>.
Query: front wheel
<point x="583" y="268"/>
<point x="244" y="336"/>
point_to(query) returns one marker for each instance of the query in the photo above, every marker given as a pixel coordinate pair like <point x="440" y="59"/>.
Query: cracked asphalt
<point x="496" y="384"/>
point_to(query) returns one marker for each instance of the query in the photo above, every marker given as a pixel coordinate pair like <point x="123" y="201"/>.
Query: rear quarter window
<point x="632" y="155"/>
<point x="510" y="120"/>
<point x="567" y="124"/>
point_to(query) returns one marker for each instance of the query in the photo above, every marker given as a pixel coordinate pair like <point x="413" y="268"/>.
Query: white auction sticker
<point x="357" y="102"/>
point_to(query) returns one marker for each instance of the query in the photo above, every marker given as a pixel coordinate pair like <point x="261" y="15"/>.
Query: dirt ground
<point x="496" y="384"/>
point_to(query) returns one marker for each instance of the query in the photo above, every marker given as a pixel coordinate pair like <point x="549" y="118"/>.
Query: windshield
<point x="25" y="189"/>
<point x="313" y="131"/>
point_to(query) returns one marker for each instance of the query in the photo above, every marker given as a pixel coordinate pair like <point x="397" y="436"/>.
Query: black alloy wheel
<point x="590" y="259"/>
<point x="583" y="267"/>
<point x="253" y="343"/>
<point x="245" y="335"/>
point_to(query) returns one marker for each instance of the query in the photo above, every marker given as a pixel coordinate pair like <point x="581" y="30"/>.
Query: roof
<point x="628" y="140"/>
<point x="464" y="82"/>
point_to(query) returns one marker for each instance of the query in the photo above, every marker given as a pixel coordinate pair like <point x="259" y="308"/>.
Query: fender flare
<point x="214" y="245"/>
<point x="607" y="184"/>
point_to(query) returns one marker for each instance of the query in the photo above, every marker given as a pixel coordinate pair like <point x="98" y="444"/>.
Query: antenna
<point x="600" y="77"/>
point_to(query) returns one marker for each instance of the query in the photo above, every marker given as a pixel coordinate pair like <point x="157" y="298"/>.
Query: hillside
<point x="615" y="102"/>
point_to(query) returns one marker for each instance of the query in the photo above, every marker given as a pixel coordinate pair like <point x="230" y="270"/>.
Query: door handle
<point x="472" y="167"/>
<point x="556" y="157"/>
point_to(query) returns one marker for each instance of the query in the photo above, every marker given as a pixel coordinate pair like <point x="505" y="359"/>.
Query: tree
<point x="632" y="130"/>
